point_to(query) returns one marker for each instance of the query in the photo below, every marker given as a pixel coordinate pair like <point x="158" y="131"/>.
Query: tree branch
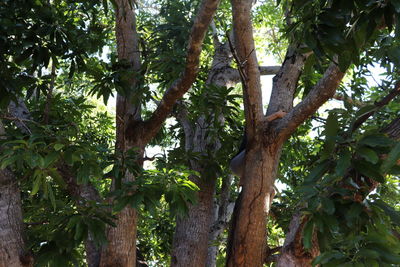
<point x="182" y="85"/>
<point x="269" y="70"/>
<point x="395" y="92"/>
<point x="322" y="91"/>
<point x="286" y="80"/>
<point x="245" y="49"/>
<point x="183" y="119"/>
<point x="349" y="100"/>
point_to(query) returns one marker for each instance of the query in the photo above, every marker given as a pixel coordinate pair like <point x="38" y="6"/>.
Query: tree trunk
<point x="191" y="235"/>
<point x="12" y="245"/>
<point x="293" y="253"/>
<point x="222" y="212"/>
<point x="121" y="248"/>
<point x="247" y="241"/>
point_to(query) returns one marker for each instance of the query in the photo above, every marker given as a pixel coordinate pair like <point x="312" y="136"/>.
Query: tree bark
<point x="132" y="132"/>
<point x="247" y="241"/>
<point x="12" y="245"/>
<point x="222" y="212"/>
<point x="121" y="247"/>
<point x="292" y="253"/>
<point x="247" y="238"/>
<point x="192" y="233"/>
<point x="246" y="244"/>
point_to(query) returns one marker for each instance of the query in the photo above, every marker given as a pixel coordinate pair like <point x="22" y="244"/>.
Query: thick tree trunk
<point x="132" y="132"/>
<point x="12" y="245"/>
<point x="247" y="241"/>
<point x="121" y="247"/>
<point x="191" y="235"/>
<point x="247" y="237"/>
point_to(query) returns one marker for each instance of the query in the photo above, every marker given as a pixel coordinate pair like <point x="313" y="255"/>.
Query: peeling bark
<point x="222" y="212"/>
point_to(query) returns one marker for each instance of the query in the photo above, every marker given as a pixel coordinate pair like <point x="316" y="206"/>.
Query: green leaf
<point x="80" y="228"/>
<point x="317" y="172"/>
<point x="328" y="205"/>
<point x="51" y="196"/>
<point x="331" y="222"/>
<point x="394" y="55"/>
<point x="37" y="182"/>
<point x="50" y="159"/>
<point x="331" y="130"/>
<point x="57" y="177"/>
<point x="58" y="147"/>
<point x="368" y="154"/>
<point x="7" y="162"/>
<point x="308" y="234"/>
<point x="364" y="110"/>
<point x="343" y="163"/>
<point x="376" y="140"/>
<point x="327" y="257"/>
<point x="73" y="221"/>
<point x="392" y="158"/>
<point x="368" y="253"/>
<point x="369" y="170"/>
<point x="390" y="211"/>
<point x="388" y="256"/>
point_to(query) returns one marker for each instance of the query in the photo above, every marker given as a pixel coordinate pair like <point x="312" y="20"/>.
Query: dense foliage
<point x="59" y="59"/>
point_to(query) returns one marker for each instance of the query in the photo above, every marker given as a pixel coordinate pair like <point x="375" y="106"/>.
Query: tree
<point x="247" y="241"/>
<point x="79" y="187"/>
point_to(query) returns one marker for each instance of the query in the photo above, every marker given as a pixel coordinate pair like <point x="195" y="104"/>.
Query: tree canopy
<point x="119" y="121"/>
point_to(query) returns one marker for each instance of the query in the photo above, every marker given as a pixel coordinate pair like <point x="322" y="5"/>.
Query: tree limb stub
<point x="269" y="70"/>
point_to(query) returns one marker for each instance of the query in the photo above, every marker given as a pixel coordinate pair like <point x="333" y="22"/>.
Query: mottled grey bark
<point x="192" y="233"/>
<point x="222" y="212"/>
<point x="12" y="246"/>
